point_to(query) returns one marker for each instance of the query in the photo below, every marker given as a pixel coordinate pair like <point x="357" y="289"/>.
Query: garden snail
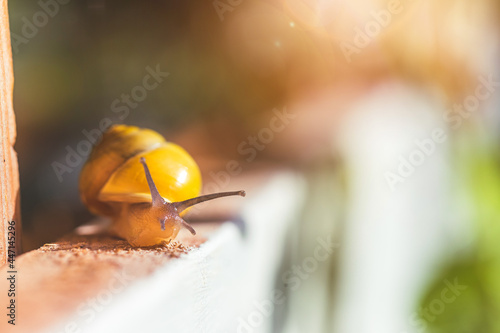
<point x="116" y="182"/>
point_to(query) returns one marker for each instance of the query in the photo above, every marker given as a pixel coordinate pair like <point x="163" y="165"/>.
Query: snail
<point x="144" y="183"/>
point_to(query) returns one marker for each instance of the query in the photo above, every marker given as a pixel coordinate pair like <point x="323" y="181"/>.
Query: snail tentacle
<point x="186" y="225"/>
<point x="182" y="205"/>
<point x="155" y="195"/>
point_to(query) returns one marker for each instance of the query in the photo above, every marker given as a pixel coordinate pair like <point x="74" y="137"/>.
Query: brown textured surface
<point x="9" y="177"/>
<point x="53" y="281"/>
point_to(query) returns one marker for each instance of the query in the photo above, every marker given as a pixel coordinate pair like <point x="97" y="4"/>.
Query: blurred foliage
<point x="476" y="309"/>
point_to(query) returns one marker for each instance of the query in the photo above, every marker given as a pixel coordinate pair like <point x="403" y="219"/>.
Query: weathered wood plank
<point x="9" y="177"/>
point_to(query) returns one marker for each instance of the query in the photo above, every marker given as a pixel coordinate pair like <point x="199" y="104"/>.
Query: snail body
<point x="117" y="182"/>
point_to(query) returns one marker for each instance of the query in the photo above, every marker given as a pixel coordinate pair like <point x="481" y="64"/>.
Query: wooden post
<point x="9" y="174"/>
